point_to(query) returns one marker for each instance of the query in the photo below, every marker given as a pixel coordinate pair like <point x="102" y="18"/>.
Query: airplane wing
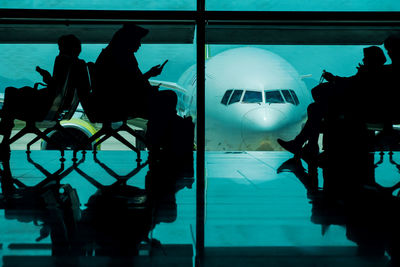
<point x="168" y="85"/>
<point x="305" y="76"/>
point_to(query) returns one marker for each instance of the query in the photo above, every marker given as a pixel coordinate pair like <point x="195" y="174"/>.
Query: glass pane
<point x="100" y="4"/>
<point x="226" y="96"/>
<point x="237" y="94"/>
<point x="296" y="99"/>
<point x="260" y="199"/>
<point x="314" y="5"/>
<point x="252" y="97"/>
<point x="288" y="96"/>
<point x="109" y="214"/>
<point x="273" y="97"/>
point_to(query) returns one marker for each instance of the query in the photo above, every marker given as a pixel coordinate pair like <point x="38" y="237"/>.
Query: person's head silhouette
<point x="69" y="45"/>
<point x="374" y="56"/>
<point x="392" y="45"/>
<point x="128" y="37"/>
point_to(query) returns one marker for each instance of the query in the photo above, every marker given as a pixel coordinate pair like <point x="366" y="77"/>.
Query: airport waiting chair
<point x="95" y="114"/>
<point x="62" y="108"/>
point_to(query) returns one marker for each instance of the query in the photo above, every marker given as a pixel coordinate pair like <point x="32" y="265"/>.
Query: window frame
<point x="311" y="28"/>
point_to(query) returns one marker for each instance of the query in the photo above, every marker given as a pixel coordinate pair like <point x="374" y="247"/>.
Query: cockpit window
<point x="273" y="97"/>
<point x="226" y="96"/>
<point x="237" y="94"/>
<point x="288" y="97"/>
<point x="296" y="100"/>
<point x="252" y="97"/>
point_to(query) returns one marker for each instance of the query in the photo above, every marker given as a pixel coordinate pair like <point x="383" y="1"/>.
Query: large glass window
<point x="242" y="153"/>
<point x="252" y="200"/>
<point x="171" y="226"/>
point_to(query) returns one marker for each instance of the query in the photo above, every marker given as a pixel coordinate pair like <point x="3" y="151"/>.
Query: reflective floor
<point x="260" y="211"/>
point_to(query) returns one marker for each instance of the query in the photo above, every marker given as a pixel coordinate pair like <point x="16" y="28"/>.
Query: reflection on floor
<point x="255" y="216"/>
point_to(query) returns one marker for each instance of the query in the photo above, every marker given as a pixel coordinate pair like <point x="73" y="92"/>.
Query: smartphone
<point x="165" y="62"/>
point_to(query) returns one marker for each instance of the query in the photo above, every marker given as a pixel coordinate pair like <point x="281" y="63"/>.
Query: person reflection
<point x="54" y="208"/>
<point x="29" y="102"/>
<point x="117" y="220"/>
<point x="370" y="219"/>
<point x="369" y="215"/>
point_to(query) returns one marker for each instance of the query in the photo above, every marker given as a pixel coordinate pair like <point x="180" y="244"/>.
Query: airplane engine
<point x="79" y="131"/>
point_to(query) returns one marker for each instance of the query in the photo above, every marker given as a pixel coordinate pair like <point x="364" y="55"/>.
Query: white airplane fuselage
<point x="247" y="123"/>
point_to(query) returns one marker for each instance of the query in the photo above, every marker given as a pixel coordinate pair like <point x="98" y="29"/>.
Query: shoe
<point x="291" y="146"/>
<point x="292" y="165"/>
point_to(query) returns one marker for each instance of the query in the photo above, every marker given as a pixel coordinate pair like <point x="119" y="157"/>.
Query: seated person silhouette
<point x="37" y="102"/>
<point x="118" y="80"/>
<point x="119" y="83"/>
<point x="341" y="94"/>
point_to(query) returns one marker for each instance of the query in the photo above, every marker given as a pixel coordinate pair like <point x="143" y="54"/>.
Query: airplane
<point x="252" y="97"/>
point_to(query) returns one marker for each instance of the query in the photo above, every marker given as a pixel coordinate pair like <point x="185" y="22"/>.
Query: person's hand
<point x="327" y="76"/>
<point x="156" y="70"/>
<point x="156" y="86"/>
<point x="45" y="74"/>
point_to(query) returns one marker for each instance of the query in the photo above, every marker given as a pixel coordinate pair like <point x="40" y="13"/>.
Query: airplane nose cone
<point x="263" y="120"/>
<point x="259" y="124"/>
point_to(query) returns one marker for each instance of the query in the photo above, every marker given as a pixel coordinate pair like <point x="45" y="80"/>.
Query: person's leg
<point x="17" y="102"/>
<point x="11" y="96"/>
<point x="310" y="131"/>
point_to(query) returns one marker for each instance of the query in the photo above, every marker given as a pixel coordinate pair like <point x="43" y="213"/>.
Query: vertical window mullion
<point x="200" y="156"/>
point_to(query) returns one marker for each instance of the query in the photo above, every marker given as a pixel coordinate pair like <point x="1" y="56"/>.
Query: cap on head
<point x="129" y="34"/>
<point x="374" y="55"/>
<point x="134" y="30"/>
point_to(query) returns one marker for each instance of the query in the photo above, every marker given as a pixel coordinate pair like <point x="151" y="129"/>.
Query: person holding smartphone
<point x="119" y="83"/>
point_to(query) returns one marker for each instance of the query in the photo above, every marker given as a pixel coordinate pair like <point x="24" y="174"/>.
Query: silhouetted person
<point x="28" y="101"/>
<point x="119" y="81"/>
<point x="340" y="95"/>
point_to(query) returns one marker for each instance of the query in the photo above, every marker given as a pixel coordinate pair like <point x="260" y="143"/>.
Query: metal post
<point x="200" y="182"/>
